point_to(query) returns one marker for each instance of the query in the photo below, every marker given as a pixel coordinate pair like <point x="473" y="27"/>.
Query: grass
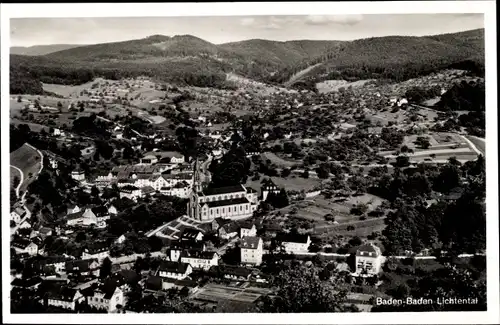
<point x="28" y="160"/>
<point x="334" y="85"/>
<point x="14" y="173"/>
<point x="289" y="183"/>
<point x="278" y="161"/>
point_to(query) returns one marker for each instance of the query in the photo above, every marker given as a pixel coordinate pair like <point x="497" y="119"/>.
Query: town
<point x="138" y="195"/>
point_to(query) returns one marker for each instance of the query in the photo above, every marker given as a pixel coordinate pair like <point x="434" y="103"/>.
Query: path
<point x="300" y="74"/>
<point x="21" y="179"/>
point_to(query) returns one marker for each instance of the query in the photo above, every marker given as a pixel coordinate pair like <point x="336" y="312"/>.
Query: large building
<point x="251" y="250"/>
<point x="230" y="202"/>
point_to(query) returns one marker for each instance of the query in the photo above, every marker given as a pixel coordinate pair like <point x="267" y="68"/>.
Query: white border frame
<point x="488" y="8"/>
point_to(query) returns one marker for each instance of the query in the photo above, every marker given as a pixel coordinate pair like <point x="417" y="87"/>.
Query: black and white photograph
<point x="250" y="162"/>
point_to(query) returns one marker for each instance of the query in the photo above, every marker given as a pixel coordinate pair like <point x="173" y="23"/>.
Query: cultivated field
<point x="334" y="85"/>
<point x="240" y="293"/>
<point x="29" y="161"/>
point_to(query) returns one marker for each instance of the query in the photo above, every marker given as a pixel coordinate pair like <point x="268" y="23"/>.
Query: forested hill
<point x="41" y="49"/>
<point x="190" y="60"/>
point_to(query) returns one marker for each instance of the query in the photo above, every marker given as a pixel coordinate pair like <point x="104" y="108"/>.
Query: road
<point x="478" y="144"/>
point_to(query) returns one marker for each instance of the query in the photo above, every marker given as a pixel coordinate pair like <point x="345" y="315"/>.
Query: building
<point x="107" y="296"/>
<point x="268" y="187"/>
<point x="55" y="263"/>
<point x="149" y="160"/>
<point x="176" y="248"/>
<point x="25" y="246"/>
<point x="24" y="225"/>
<point x="174" y="270"/>
<point x="368" y="260"/>
<point x="294" y="243"/>
<point x="248" y="230"/>
<point x="17" y="214"/>
<point x="192" y="234"/>
<point x="78" y="175"/>
<point x="102" y="214"/>
<point x="73" y="209"/>
<point x="228" y="230"/>
<point x="45" y="231"/>
<point x="130" y="192"/>
<point x="251" y="250"/>
<point x="98" y="251"/>
<point x="235" y="273"/>
<point x="64" y="297"/>
<point x="82" y="218"/>
<point x="82" y="267"/>
<point x="200" y="259"/>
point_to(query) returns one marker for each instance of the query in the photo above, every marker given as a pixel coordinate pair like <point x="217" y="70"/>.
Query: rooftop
<point x="250" y="242"/>
<point x="240" y="200"/>
<point x="223" y="190"/>
<point x="173" y="267"/>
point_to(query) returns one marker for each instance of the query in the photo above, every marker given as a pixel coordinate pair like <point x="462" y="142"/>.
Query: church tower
<point x="194" y="208"/>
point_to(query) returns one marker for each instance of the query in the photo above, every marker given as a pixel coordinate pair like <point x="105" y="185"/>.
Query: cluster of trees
<point x="89" y="125"/>
<point x="420" y="94"/>
<point x="232" y="169"/>
<point x="464" y="96"/>
<point x="457" y="225"/>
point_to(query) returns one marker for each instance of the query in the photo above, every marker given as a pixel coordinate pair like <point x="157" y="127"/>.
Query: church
<point x="230" y="202"/>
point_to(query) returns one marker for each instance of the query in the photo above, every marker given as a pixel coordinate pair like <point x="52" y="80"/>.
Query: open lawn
<point x="278" y="161"/>
<point x="13" y="174"/>
<point x="29" y="161"/>
<point x="290" y="183"/>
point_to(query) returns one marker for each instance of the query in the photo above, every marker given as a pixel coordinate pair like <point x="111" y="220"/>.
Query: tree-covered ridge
<point x="190" y="60"/>
<point x="464" y="96"/>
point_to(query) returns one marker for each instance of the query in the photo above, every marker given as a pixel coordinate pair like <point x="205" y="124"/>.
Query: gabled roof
<point x="190" y="233"/>
<point x="108" y="288"/>
<point x="173" y="267"/>
<point x="187" y="244"/>
<point x="80" y="265"/>
<point x="100" y="211"/>
<point x="62" y="293"/>
<point x="250" y="242"/>
<point x="75" y="215"/>
<point x="44" y="230"/>
<point x="203" y="255"/>
<point x="368" y="250"/>
<point x="240" y="200"/>
<point x="20" y="211"/>
<point x="21" y="243"/>
<point x="292" y="238"/>
<point x="232" y="270"/>
<point x="223" y="190"/>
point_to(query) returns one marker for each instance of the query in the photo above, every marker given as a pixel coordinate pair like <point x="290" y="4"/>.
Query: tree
<point x="105" y="269"/>
<point x="279" y="200"/>
<point x="402" y="161"/>
<point x="423" y="142"/>
<point x="299" y="289"/>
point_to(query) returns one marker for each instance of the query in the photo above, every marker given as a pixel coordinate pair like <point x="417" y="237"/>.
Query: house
<point x="102" y="215"/>
<point x="25" y="246"/>
<point x="81" y="218"/>
<point x="294" y="243"/>
<point x="83" y="267"/>
<point x="51" y="264"/>
<point x="177" y="247"/>
<point x="192" y="234"/>
<point x="251" y="250"/>
<point x="248" y="230"/>
<point x="170" y="157"/>
<point x="200" y="259"/>
<point x="121" y="239"/>
<point x="73" y="209"/>
<point x="78" y="175"/>
<point x="98" y="251"/>
<point x="112" y="210"/>
<point x="368" y="260"/>
<point x="107" y="296"/>
<point x="17" y="215"/>
<point x="230" y="272"/>
<point x="268" y="187"/>
<point x="24" y="225"/>
<point x="149" y="160"/>
<point x="63" y="297"/>
<point x="32" y="283"/>
<point x="228" y="230"/>
<point x="174" y="270"/>
<point x="130" y="192"/>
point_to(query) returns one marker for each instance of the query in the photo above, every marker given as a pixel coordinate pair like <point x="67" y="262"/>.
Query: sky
<point x="44" y="31"/>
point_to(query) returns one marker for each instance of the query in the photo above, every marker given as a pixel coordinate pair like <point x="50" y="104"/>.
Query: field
<point x="334" y="85"/>
<point x="29" y="161"/>
<point x="278" y="161"/>
<point x="237" y="293"/>
<point x="13" y="174"/>
<point x="479" y="143"/>
<point x="290" y="183"/>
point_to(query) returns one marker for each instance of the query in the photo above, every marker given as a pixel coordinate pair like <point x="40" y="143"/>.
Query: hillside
<point x="41" y="49"/>
<point x="189" y="60"/>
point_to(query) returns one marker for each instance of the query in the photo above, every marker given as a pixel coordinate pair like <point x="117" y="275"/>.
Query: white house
<point x="73" y="209"/>
<point x="107" y="296"/>
<point x="78" y="175"/>
<point x="251" y="250"/>
<point x="149" y="160"/>
<point x="85" y="217"/>
<point x="25" y="225"/>
<point x="17" y="214"/>
<point x="99" y="252"/>
<point x="121" y="239"/>
<point x="368" y="260"/>
<point x="130" y="192"/>
<point x="268" y="187"/>
<point x="174" y="270"/>
<point x="248" y="230"/>
<point x="199" y="259"/>
<point x="294" y="243"/>
<point x="22" y="246"/>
